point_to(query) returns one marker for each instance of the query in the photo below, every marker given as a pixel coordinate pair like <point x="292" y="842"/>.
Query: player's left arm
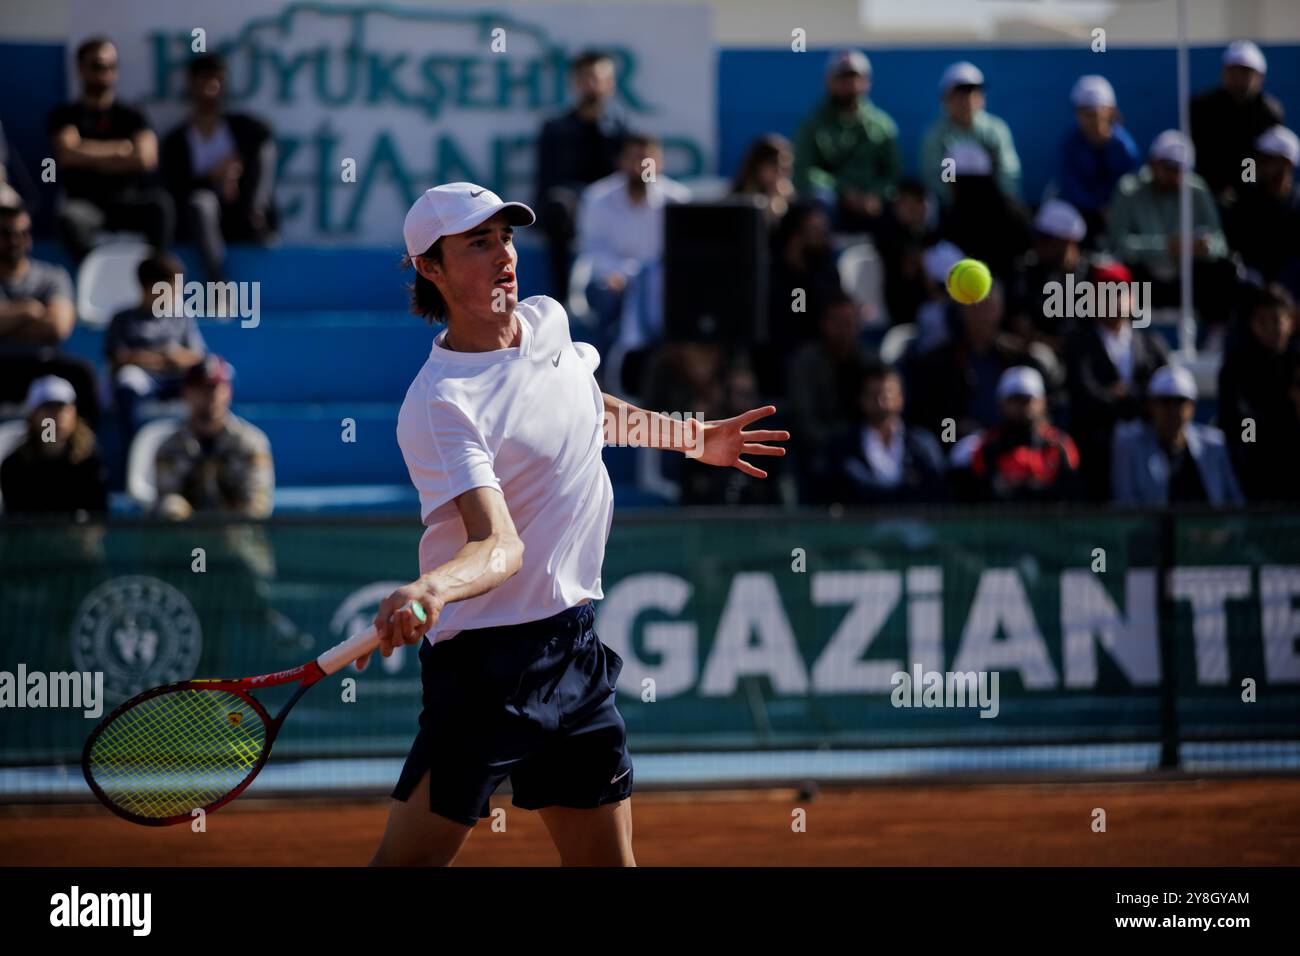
<point x="720" y="442"/>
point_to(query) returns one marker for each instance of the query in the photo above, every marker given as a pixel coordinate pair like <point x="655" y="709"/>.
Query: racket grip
<point x="359" y="645"/>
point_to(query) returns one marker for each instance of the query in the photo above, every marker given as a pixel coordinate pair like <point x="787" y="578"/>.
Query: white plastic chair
<point x="106" y="281"/>
<point x="862" y="274"/>
<point x="11" y="436"/>
<point x="141" y="479"/>
<point x="896" y="341"/>
<point x="579" y="277"/>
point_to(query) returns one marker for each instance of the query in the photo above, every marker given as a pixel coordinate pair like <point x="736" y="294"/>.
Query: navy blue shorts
<point x="533" y="702"/>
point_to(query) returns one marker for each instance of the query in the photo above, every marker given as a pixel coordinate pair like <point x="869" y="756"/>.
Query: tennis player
<point x="502" y="432"/>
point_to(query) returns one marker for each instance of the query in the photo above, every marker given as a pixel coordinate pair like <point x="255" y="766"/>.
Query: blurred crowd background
<point x="811" y="275"/>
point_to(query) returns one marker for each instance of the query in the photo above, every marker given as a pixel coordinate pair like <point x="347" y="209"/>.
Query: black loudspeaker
<point x="715" y="271"/>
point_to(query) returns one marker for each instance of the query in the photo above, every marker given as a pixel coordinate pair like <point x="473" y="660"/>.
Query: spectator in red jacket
<point x="1023" y="457"/>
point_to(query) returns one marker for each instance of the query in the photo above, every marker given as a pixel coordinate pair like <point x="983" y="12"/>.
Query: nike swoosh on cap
<point x="475" y="195"/>
<point x="620" y="776"/>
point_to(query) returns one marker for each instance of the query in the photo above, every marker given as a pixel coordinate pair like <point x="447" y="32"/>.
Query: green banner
<point x="755" y="631"/>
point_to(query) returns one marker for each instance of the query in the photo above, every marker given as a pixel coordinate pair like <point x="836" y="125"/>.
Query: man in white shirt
<point x="502" y="432"/>
<point x="621" y="232"/>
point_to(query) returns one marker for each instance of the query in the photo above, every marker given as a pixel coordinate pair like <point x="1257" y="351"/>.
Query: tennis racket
<point x="198" y="744"/>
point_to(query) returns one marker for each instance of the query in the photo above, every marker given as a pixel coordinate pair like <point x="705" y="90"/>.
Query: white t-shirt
<point x="527" y="421"/>
<point x="206" y="153"/>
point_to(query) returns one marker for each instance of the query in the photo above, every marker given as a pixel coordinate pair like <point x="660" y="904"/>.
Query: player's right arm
<point x="492" y="553"/>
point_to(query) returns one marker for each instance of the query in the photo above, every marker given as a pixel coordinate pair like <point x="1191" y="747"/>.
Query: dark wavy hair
<point x="426" y="301"/>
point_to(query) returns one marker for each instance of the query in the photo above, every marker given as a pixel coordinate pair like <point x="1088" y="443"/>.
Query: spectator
<point x="802" y="280"/>
<point x="152" y="345"/>
<point x="56" y="470"/>
<point x="846" y="150"/>
<point x="1023" y="457"/>
<point x="1227" y="120"/>
<point x="937" y="314"/>
<point x="215" y="461"/>
<point x="980" y="218"/>
<point x="1171" y="459"/>
<point x="106" y="155"/>
<point x="957" y="382"/>
<point x="880" y="459"/>
<point x="36" y="317"/>
<point x="220" y="169"/>
<point x="1263" y="225"/>
<point x="1255" y="386"/>
<point x="1271" y="470"/>
<point x="961" y="91"/>
<point x="621" y="230"/>
<point x="902" y="238"/>
<point x="1095" y="154"/>
<point x="706" y="485"/>
<point x="1108" y="365"/>
<point x="573" y="151"/>
<point x="766" y="172"/>
<point x="1056" y="254"/>
<point x="1144" y="230"/>
<point x="8" y="195"/>
<point x="825" y="376"/>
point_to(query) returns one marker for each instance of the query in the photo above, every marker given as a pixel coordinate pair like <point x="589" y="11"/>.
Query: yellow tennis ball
<point x="969" y="281"/>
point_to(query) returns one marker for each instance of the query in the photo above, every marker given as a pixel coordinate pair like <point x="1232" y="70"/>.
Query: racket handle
<point x="359" y="645"/>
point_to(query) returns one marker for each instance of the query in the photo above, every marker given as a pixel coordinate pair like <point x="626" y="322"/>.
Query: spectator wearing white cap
<point x="846" y="153"/>
<point x="1058" y="231"/>
<point x="56" y="470"/>
<point x="1143" y="230"/>
<point x="1023" y="457"/>
<point x="1171" y="459"/>
<point x="1263" y="225"/>
<point x="1095" y="154"/>
<point x="1228" y="119"/>
<point x="961" y="93"/>
<point x="979" y="217"/>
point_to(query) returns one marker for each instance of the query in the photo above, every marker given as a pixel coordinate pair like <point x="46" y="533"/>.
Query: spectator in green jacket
<point x="961" y="91"/>
<point x="846" y="150"/>
<point x="1143" y="231"/>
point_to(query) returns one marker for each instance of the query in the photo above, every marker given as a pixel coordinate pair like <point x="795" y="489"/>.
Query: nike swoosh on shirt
<point x="556" y="361"/>
<point x="621" y="775"/>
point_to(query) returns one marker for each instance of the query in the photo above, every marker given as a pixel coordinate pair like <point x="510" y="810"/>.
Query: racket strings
<point x="177" y="751"/>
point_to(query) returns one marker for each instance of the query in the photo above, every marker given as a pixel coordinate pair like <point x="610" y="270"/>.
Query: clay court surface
<point x="1165" y="823"/>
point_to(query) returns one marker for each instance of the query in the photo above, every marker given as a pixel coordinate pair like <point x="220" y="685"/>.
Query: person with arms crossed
<point x="502" y="432"/>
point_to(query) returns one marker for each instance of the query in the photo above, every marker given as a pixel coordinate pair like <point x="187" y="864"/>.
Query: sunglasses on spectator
<point x="12" y="233"/>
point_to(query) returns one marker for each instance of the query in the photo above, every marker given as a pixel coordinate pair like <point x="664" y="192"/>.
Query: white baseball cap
<point x="1021" y="380"/>
<point x="1172" y="381"/>
<point x="961" y="73"/>
<point x="1057" y="218"/>
<point x="1245" y="53"/>
<point x="848" y="61"/>
<point x="970" y="158"/>
<point x="1171" y="146"/>
<point x="1092" y="90"/>
<point x="1279" y="141"/>
<point x="454" y="208"/>
<point x="49" y="388"/>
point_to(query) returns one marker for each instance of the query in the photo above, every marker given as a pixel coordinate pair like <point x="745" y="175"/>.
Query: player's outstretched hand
<point x="723" y="442"/>
<point x="397" y="625"/>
